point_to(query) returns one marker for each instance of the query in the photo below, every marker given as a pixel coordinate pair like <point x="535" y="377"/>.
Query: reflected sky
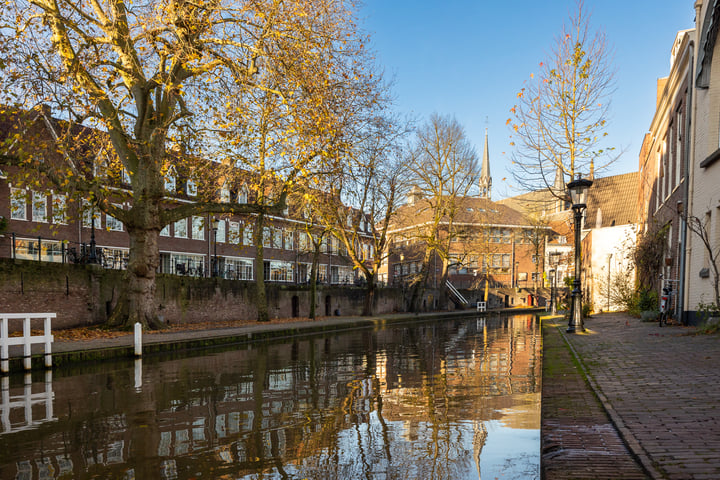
<point x="452" y="399"/>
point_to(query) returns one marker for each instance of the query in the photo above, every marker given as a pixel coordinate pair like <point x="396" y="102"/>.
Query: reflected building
<point x="320" y="407"/>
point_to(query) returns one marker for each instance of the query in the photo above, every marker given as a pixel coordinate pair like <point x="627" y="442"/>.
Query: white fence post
<point x="138" y="339"/>
<point x="27" y="340"/>
<point x="4" y="346"/>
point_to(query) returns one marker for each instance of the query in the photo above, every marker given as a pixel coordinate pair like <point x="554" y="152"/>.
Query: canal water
<point x="447" y="399"/>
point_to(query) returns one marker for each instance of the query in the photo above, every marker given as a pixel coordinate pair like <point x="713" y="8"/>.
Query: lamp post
<point x="553" y="310"/>
<point x="609" y="281"/>
<point x="92" y="257"/>
<point x="215" y="224"/>
<point x="578" y="192"/>
<point x="554" y="257"/>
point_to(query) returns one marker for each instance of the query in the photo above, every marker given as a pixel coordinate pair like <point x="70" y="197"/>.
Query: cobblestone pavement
<point x="661" y="389"/>
<point x="578" y="439"/>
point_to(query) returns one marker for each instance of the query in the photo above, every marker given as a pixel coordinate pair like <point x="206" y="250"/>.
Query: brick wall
<point x="83" y="295"/>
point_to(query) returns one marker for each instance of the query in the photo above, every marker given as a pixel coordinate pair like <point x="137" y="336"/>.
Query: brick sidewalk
<point x="578" y="439"/>
<point x="660" y="387"/>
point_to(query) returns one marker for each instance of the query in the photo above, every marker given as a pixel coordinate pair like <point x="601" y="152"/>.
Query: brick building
<point x="47" y="225"/>
<point x="663" y="186"/>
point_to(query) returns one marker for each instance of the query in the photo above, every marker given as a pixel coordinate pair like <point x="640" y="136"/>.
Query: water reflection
<point x="452" y="399"/>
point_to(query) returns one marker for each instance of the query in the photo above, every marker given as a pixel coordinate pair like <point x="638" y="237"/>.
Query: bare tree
<point x="365" y="193"/>
<point x="443" y="168"/>
<point x="700" y="228"/>
<point x="561" y="114"/>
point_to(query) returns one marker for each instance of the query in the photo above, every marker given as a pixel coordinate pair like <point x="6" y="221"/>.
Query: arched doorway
<point x="295" y="306"/>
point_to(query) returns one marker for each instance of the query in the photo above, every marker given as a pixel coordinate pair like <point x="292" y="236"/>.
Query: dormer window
<point x="191" y="188"/>
<point x="170" y="180"/>
<point x="100" y="166"/>
<point x="242" y="196"/>
<point x="224" y="193"/>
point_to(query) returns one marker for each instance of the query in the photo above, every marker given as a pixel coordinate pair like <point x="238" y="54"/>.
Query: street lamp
<point x="92" y="257"/>
<point x="554" y="258"/>
<point x="215" y="225"/>
<point x="578" y="193"/>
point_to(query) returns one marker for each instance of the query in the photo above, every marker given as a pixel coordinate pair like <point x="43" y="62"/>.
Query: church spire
<point x="485" y="178"/>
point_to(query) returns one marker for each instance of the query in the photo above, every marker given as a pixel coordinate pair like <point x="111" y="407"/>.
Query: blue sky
<point x="469" y="58"/>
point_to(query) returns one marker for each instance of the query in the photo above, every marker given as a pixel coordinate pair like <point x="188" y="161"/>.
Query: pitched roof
<point x="471" y="210"/>
<point x="612" y="201"/>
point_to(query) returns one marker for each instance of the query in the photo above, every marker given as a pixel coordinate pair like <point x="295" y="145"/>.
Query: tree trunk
<point x="444" y="290"/>
<point x="418" y="288"/>
<point x="143" y="263"/>
<point x="369" y="305"/>
<point x="313" y="281"/>
<point x="260" y="294"/>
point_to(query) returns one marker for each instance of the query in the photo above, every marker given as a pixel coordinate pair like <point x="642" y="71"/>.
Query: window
<point x="267" y="237"/>
<point x="198" y="228"/>
<point x="277" y="238"/>
<point x="170" y="180"/>
<point x="39" y="207"/>
<point x="289" y="237"/>
<point x="180" y="228"/>
<point x="248" y="235"/>
<point x="165" y="232"/>
<point x="112" y="223"/>
<point x="125" y="176"/>
<point x="535" y="259"/>
<point x="220" y="235"/>
<point x="279" y="271"/>
<point x="234" y="232"/>
<point x="18" y="204"/>
<point x="42" y="250"/>
<point x="191" y="188"/>
<point x="242" y="196"/>
<point x="224" y="193"/>
<point x="90" y="218"/>
<point x="678" y="146"/>
<point x="303" y="242"/>
<point x="59" y="208"/>
<point x="100" y="167"/>
<point x="238" y="269"/>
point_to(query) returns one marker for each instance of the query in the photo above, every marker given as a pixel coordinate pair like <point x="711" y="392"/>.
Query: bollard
<point x="138" y="375"/>
<point x="138" y="339"/>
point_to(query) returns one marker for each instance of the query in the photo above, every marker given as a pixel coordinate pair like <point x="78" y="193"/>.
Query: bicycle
<point x="665" y="304"/>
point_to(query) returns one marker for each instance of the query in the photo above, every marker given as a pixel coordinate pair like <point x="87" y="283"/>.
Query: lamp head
<point x="578" y="191"/>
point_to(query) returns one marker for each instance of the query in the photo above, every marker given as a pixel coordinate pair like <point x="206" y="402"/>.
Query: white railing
<point x="27" y="339"/>
<point x="455" y="292"/>
<point x="26" y="402"/>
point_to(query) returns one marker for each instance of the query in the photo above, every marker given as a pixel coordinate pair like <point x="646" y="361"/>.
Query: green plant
<point x="707" y="311"/>
<point x="650" y="253"/>
<point x="3" y="224"/>
<point x="587" y="308"/>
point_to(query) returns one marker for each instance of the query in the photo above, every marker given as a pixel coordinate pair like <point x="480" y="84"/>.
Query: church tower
<point x="485" y="179"/>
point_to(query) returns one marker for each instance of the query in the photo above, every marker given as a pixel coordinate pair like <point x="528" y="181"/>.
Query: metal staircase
<point x="456" y="296"/>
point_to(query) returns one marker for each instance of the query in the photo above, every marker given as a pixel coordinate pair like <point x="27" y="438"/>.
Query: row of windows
<point x="38" y="203"/>
<point x="233" y="232"/>
<point x="233" y="268"/>
<point x="669" y="161"/>
<point x="495" y="235"/>
<point x="57" y="211"/>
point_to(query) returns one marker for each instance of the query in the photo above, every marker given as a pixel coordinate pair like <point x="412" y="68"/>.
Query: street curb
<point x="633" y="445"/>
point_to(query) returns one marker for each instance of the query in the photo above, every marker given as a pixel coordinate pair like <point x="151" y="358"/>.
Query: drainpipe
<point x="689" y="142"/>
